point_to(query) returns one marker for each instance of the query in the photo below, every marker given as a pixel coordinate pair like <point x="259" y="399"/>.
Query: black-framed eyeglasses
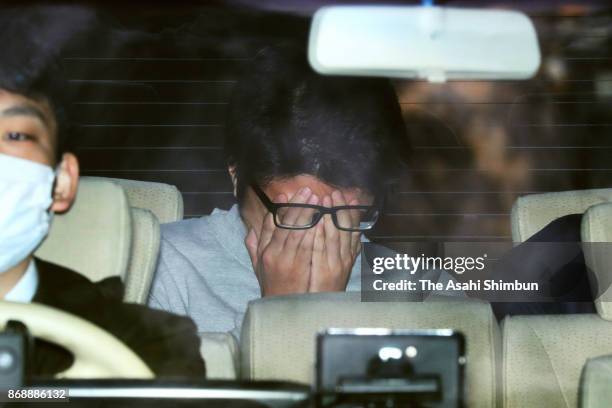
<point x="352" y="218"/>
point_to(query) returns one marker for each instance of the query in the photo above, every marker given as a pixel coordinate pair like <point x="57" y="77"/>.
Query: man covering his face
<point x="310" y="157"/>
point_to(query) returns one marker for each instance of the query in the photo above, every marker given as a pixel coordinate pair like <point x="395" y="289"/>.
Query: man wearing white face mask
<point x="36" y="181"/>
<point x="26" y="191"/>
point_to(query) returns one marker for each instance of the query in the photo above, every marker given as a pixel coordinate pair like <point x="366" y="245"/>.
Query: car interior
<point x="494" y="160"/>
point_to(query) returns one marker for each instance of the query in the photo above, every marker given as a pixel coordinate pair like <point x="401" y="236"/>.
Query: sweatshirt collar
<point x="230" y="232"/>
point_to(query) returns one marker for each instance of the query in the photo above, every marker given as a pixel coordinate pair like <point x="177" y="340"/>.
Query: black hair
<point x="285" y="120"/>
<point x="33" y="38"/>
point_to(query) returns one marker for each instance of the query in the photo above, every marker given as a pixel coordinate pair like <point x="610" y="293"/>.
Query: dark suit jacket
<point x="567" y="280"/>
<point x="167" y="343"/>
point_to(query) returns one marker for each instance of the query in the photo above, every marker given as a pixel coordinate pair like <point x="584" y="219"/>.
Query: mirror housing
<point x="432" y="43"/>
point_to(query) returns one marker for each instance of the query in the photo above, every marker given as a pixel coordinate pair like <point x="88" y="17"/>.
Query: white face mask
<point x="25" y="198"/>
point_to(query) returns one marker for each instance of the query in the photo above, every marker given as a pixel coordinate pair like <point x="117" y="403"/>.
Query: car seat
<point x="278" y="334"/>
<point x="533" y="212"/>
<point x="543" y="356"/>
<point x="102" y="236"/>
<point x="163" y="200"/>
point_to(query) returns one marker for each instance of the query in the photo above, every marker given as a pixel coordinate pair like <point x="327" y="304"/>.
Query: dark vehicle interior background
<point x="152" y="88"/>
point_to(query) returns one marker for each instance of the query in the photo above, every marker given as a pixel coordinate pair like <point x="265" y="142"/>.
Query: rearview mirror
<point x="433" y="43"/>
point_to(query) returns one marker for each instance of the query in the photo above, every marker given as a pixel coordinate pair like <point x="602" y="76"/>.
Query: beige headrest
<point x="143" y="260"/>
<point x="94" y="237"/>
<point x="595" y="390"/>
<point x="278" y="335"/>
<point x="220" y="352"/>
<point x="533" y="212"/>
<point x="544" y="354"/>
<point x="163" y="200"/>
<point x="597" y="239"/>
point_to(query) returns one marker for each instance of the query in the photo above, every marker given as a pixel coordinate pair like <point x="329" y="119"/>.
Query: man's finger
<point x="355" y="242"/>
<point x="355" y="236"/>
<point x="354" y="215"/>
<point x="344" y="220"/>
<point x="318" y="244"/>
<point x="294" y="238"/>
<point x="288" y="217"/>
<point x="304" y="251"/>
<point x="332" y="241"/>
<point x="251" y="242"/>
<point x="265" y="236"/>
<point x="305" y="216"/>
<point x="319" y="261"/>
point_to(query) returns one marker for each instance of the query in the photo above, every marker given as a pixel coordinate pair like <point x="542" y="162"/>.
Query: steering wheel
<point x="97" y="353"/>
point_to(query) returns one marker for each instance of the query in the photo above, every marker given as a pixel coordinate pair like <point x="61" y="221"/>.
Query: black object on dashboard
<point x="381" y="367"/>
<point x="15" y="341"/>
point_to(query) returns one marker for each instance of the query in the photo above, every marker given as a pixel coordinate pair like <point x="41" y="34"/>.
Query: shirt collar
<point x="230" y="232"/>
<point x="26" y="288"/>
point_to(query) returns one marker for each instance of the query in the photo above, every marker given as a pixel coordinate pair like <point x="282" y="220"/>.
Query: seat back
<point x="94" y="238"/>
<point x="533" y="212"/>
<point x="163" y="200"/>
<point x="220" y="352"/>
<point x="543" y="357"/>
<point x="102" y="236"/>
<point x="278" y="335"/>
<point x="151" y="204"/>
<point x="595" y="390"/>
<point x="597" y="236"/>
<point x="144" y="254"/>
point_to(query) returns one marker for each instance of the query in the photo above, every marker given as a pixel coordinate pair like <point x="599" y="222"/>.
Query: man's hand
<point x="334" y="251"/>
<point x="282" y="257"/>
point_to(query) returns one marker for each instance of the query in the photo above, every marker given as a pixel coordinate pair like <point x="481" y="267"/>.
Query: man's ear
<point x="66" y="183"/>
<point x="232" y="172"/>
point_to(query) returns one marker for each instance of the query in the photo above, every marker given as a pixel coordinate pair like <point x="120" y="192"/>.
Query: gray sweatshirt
<point x="205" y="272"/>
